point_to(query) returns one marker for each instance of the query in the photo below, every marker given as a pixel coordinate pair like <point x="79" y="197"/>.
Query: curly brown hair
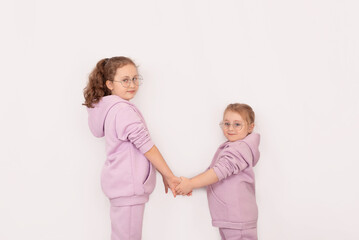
<point x="243" y="109"/>
<point x="105" y="70"/>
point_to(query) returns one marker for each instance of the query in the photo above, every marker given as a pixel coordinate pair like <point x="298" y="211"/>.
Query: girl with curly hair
<point x="128" y="176"/>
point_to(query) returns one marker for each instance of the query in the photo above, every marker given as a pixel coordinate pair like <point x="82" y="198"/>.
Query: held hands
<point x="172" y="183"/>
<point x="185" y="187"/>
<point x="169" y="179"/>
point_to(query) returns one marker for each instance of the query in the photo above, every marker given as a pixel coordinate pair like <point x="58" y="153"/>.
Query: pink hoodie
<point x="127" y="178"/>
<point x="232" y="200"/>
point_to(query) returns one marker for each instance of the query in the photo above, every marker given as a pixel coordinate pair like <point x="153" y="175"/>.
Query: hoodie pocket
<point x="216" y="197"/>
<point x="150" y="182"/>
<point x="217" y="207"/>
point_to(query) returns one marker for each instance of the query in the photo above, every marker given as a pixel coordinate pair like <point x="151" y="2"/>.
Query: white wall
<point x="294" y="62"/>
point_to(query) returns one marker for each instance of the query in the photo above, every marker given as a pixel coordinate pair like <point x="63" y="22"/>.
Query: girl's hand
<point x="171" y="183"/>
<point x="185" y="187"/>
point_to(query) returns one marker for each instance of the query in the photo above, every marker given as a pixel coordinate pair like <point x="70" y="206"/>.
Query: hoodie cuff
<point x="218" y="173"/>
<point x="146" y="147"/>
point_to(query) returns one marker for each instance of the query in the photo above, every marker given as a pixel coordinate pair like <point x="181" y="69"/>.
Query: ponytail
<point x="105" y="70"/>
<point x="96" y="87"/>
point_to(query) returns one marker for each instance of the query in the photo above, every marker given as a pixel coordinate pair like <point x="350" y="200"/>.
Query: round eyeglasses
<point x="126" y="82"/>
<point x="235" y="125"/>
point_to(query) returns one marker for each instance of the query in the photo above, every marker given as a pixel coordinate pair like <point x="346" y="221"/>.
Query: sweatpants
<point x="238" y="234"/>
<point x="126" y="222"/>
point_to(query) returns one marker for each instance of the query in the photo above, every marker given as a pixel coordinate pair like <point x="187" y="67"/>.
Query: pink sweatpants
<point x="126" y="222"/>
<point x="238" y="234"/>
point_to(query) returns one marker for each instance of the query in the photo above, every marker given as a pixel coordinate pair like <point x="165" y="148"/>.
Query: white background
<point x="295" y="62"/>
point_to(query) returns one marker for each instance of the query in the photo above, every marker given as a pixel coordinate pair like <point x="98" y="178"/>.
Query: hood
<point x="252" y="141"/>
<point x="97" y="115"/>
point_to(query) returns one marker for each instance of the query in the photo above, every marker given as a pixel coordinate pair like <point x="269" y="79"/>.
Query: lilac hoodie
<point x="127" y="178"/>
<point x="231" y="200"/>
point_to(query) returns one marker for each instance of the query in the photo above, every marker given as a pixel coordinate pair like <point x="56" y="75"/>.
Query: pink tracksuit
<point x="231" y="200"/>
<point x="127" y="178"/>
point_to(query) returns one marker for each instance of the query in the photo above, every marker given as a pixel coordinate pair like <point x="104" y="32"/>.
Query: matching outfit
<point x="127" y="178"/>
<point x="232" y="200"/>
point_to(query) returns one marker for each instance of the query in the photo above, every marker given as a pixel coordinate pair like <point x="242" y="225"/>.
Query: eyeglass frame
<point x="223" y="126"/>
<point x="139" y="78"/>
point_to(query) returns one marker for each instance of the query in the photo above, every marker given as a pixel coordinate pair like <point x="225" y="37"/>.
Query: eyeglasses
<point x="236" y="125"/>
<point x="127" y="81"/>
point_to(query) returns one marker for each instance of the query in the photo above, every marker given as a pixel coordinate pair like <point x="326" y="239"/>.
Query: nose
<point x="132" y="83"/>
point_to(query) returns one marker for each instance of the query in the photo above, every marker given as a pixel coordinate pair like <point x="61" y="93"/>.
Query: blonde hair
<point x="243" y="109"/>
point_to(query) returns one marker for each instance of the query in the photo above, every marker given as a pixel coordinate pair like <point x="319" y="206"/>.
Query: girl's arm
<point x="204" y="179"/>
<point x="169" y="179"/>
<point x="130" y="127"/>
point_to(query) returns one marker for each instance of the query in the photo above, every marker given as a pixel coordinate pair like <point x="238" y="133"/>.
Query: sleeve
<point x="130" y="127"/>
<point x="233" y="159"/>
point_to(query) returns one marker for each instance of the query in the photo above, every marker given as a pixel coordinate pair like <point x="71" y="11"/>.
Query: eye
<point x="227" y="124"/>
<point x="125" y="80"/>
<point x="237" y="125"/>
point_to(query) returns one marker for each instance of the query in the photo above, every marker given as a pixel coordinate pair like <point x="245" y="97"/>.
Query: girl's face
<point x="235" y="127"/>
<point x="123" y="83"/>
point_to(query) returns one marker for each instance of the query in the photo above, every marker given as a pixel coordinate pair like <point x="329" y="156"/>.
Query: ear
<point x="109" y="85"/>
<point x="250" y="129"/>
